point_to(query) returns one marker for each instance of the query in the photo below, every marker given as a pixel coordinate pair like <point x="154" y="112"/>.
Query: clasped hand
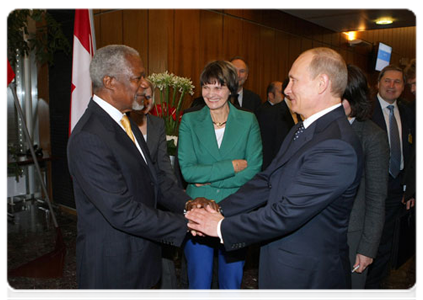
<point x="203" y="216"/>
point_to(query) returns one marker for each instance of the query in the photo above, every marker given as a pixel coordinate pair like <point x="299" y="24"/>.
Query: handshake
<point x="203" y="215"/>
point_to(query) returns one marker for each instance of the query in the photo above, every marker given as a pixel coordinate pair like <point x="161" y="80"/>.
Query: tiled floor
<point x="31" y="234"/>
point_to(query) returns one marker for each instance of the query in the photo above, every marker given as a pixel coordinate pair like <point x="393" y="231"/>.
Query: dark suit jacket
<point x="408" y="127"/>
<point x="116" y="194"/>
<point x="308" y="190"/>
<point x="275" y="123"/>
<point x="157" y="145"/>
<point x="412" y="168"/>
<point x="368" y="213"/>
<point x="251" y="101"/>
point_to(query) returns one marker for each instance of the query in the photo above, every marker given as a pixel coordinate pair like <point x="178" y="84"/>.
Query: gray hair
<point x="110" y="61"/>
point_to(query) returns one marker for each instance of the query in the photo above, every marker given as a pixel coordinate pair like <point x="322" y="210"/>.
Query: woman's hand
<point x="239" y="165"/>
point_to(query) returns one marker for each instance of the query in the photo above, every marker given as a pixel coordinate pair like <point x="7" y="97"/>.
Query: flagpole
<point x="12" y="86"/>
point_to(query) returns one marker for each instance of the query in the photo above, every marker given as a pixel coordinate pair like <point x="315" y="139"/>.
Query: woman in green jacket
<point x="219" y="150"/>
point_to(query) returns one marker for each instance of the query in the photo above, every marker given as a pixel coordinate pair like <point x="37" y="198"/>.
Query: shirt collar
<point x="307" y="122"/>
<point x="384" y="104"/>
<point x="112" y="111"/>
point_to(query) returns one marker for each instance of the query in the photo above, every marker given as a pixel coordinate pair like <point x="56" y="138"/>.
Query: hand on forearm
<point x="204" y="220"/>
<point x="239" y="165"/>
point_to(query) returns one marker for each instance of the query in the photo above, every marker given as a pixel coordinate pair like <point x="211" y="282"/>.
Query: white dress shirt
<point x="116" y="115"/>
<point x="386" y="112"/>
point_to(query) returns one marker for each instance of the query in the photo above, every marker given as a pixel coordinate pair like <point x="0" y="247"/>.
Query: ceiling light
<point x="384" y="21"/>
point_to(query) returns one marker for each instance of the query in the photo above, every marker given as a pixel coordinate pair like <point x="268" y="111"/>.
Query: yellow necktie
<point x="127" y="125"/>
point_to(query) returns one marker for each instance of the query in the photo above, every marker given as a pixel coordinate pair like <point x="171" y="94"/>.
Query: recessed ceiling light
<point x="384" y="21"/>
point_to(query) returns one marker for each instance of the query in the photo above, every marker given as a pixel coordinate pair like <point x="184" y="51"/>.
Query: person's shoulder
<point x="252" y="95"/>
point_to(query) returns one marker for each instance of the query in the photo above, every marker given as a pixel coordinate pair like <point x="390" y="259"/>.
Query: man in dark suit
<point x="116" y="186"/>
<point x="307" y="191"/>
<point x="391" y="114"/>
<point x="275" y="121"/>
<point x="246" y="99"/>
<point x="411" y="178"/>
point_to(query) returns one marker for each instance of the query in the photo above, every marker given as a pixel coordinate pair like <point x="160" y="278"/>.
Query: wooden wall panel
<point x="281" y="54"/>
<point x="232" y="36"/>
<point x="137" y="39"/>
<point x="211" y="37"/>
<point x="183" y="41"/>
<point x="186" y="49"/>
<point x="267" y="71"/>
<point x="160" y="40"/>
<point x="111" y="28"/>
<point x="250" y="51"/>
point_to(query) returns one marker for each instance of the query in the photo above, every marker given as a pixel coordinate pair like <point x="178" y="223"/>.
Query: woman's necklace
<point x="219" y="124"/>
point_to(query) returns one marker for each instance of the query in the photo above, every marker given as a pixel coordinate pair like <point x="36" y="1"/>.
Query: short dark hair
<point x="271" y="87"/>
<point x="357" y="93"/>
<point x="391" y="68"/>
<point x="222" y="72"/>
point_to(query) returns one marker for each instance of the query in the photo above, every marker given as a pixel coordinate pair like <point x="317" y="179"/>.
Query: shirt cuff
<point x="219" y="233"/>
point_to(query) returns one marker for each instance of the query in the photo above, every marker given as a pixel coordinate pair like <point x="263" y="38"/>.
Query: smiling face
<point x="302" y="89"/>
<point x="215" y="95"/>
<point x="130" y="87"/>
<point x="391" y="85"/>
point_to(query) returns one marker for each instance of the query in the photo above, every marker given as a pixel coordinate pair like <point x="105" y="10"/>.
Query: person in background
<point x="219" y="151"/>
<point x="368" y="213"/>
<point x="154" y="132"/>
<point x="245" y="99"/>
<point x="411" y="178"/>
<point x="304" y="198"/>
<point x="274" y="94"/>
<point x="398" y="121"/>
<point x="275" y="122"/>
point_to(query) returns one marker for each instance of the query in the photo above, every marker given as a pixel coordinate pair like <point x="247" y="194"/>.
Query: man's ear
<point x="323" y="82"/>
<point x="109" y="82"/>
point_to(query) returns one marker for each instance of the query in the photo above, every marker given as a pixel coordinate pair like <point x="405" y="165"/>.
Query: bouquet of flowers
<point x="172" y="91"/>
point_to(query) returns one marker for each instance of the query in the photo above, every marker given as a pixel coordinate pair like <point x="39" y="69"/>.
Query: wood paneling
<point x="137" y="39"/>
<point x="111" y="28"/>
<point x="184" y="41"/>
<point x="160" y="40"/>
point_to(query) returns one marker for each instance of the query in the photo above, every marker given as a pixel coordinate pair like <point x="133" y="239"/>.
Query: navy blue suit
<point x="308" y="192"/>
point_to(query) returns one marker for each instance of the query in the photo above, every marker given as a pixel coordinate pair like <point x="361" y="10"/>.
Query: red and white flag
<point x="10" y="73"/>
<point x="83" y="51"/>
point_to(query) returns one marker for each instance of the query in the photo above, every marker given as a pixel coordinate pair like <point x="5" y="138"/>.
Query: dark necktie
<point x="236" y="101"/>
<point x="300" y="130"/>
<point x="395" y="160"/>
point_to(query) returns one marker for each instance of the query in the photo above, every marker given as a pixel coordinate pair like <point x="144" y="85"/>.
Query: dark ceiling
<point x="340" y="20"/>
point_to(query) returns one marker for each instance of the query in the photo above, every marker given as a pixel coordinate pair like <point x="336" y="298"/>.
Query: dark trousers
<point x="381" y="264"/>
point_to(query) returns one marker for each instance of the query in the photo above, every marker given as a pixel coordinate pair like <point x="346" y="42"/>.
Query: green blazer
<point x="201" y="160"/>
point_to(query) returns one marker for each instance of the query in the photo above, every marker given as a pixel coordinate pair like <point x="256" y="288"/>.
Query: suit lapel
<point x="231" y="136"/>
<point x="204" y="131"/>
<point x="144" y="148"/>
